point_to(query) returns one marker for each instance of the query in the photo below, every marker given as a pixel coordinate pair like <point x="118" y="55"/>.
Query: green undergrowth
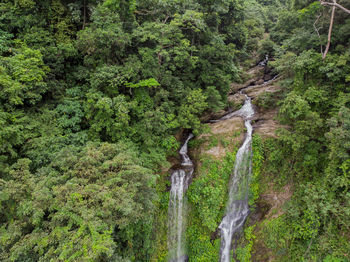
<point x="217" y="140"/>
<point x="244" y="251"/>
<point x="207" y="197"/>
<point x="161" y="224"/>
<point x="245" y="246"/>
<point x="257" y="164"/>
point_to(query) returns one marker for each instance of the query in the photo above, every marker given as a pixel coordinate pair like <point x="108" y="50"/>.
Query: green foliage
<point x="244" y="253"/>
<point x="277" y="235"/>
<point x="22" y="78"/>
<point x="78" y="204"/>
<point x="193" y="107"/>
<point x="311" y="153"/>
<point x="267" y="48"/>
<point x="104" y="40"/>
<point x="257" y="163"/>
<point x="130" y="74"/>
<point x="266" y="100"/>
<point x="206" y="192"/>
<point x="201" y="245"/>
<point x="207" y="196"/>
<point x="108" y="116"/>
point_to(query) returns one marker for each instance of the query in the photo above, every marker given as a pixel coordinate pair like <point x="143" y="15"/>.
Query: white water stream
<point x="237" y="208"/>
<point x="180" y="180"/>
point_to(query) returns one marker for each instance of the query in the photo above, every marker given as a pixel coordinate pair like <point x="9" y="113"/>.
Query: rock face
<point x="266" y="124"/>
<point x="237" y="99"/>
<point x="276" y="200"/>
<point x="253" y="75"/>
<point x="258" y="85"/>
<point x="221" y="138"/>
<point x="255" y="91"/>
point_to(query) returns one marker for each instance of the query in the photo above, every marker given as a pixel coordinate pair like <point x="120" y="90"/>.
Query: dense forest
<point x="97" y="96"/>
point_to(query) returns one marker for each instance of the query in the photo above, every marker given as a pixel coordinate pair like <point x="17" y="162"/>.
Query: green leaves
<point x="257" y="164"/>
<point x="22" y="77"/>
<point x="104" y="41"/>
<point x="312" y="153"/>
<point x="77" y="203"/>
<point x="151" y="82"/>
<point x="208" y="195"/>
<point x="112" y="71"/>
<point x="108" y="116"/>
<point x="188" y="113"/>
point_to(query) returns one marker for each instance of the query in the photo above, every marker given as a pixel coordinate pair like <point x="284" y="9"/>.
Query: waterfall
<point x="180" y="180"/>
<point x="237" y="208"/>
<point x="265" y="61"/>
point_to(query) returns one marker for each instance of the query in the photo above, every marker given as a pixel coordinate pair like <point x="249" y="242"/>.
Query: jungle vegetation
<point x="92" y="93"/>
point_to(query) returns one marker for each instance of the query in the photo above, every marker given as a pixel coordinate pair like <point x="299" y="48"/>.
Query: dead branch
<point x="318" y="31"/>
<point x="330" y="32"/>
<point x="335" y="4"/>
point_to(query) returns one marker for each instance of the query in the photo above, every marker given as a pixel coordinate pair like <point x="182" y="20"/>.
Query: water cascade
<point x="237" y="208"/>
<point x="180" y="180"/>
<point x="265" y="61"/>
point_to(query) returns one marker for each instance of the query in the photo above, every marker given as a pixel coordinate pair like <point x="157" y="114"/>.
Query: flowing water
<point x="265" y="61"/>
<point x="237" y="208"/>
<point x="180" y="180"/>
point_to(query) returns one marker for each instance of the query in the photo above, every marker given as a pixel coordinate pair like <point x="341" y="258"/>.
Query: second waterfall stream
<point x="237" y="207"/>
<point x="180" y="180"/>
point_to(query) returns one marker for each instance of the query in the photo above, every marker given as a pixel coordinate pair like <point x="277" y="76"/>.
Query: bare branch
<point x="318" y="31"/>
<point x="330" y="31"/>
<point x="166" y="19"/>
<point x="335" y="4"/>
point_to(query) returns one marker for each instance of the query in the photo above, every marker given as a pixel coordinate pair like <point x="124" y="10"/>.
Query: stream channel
<point x="237" y="208"/>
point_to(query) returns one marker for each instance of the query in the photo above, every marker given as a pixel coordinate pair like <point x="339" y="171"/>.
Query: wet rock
<point x="266" y="123"/>
<point x="227" y="127"/>
<point x="267" y="128"/>
<point x="266" y="115"/>
<point x="268" y="77"/>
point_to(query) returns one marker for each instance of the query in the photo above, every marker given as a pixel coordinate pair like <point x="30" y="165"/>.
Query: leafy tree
<point x="78" y="206"/>
<point x="23" y="77"/>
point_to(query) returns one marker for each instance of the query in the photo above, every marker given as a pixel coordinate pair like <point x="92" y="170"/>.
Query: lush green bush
<point x="207" y="197"/>
<point x="313" y="154"/>
<point x="257" y="163"/>
<point x="244" y="254"/>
